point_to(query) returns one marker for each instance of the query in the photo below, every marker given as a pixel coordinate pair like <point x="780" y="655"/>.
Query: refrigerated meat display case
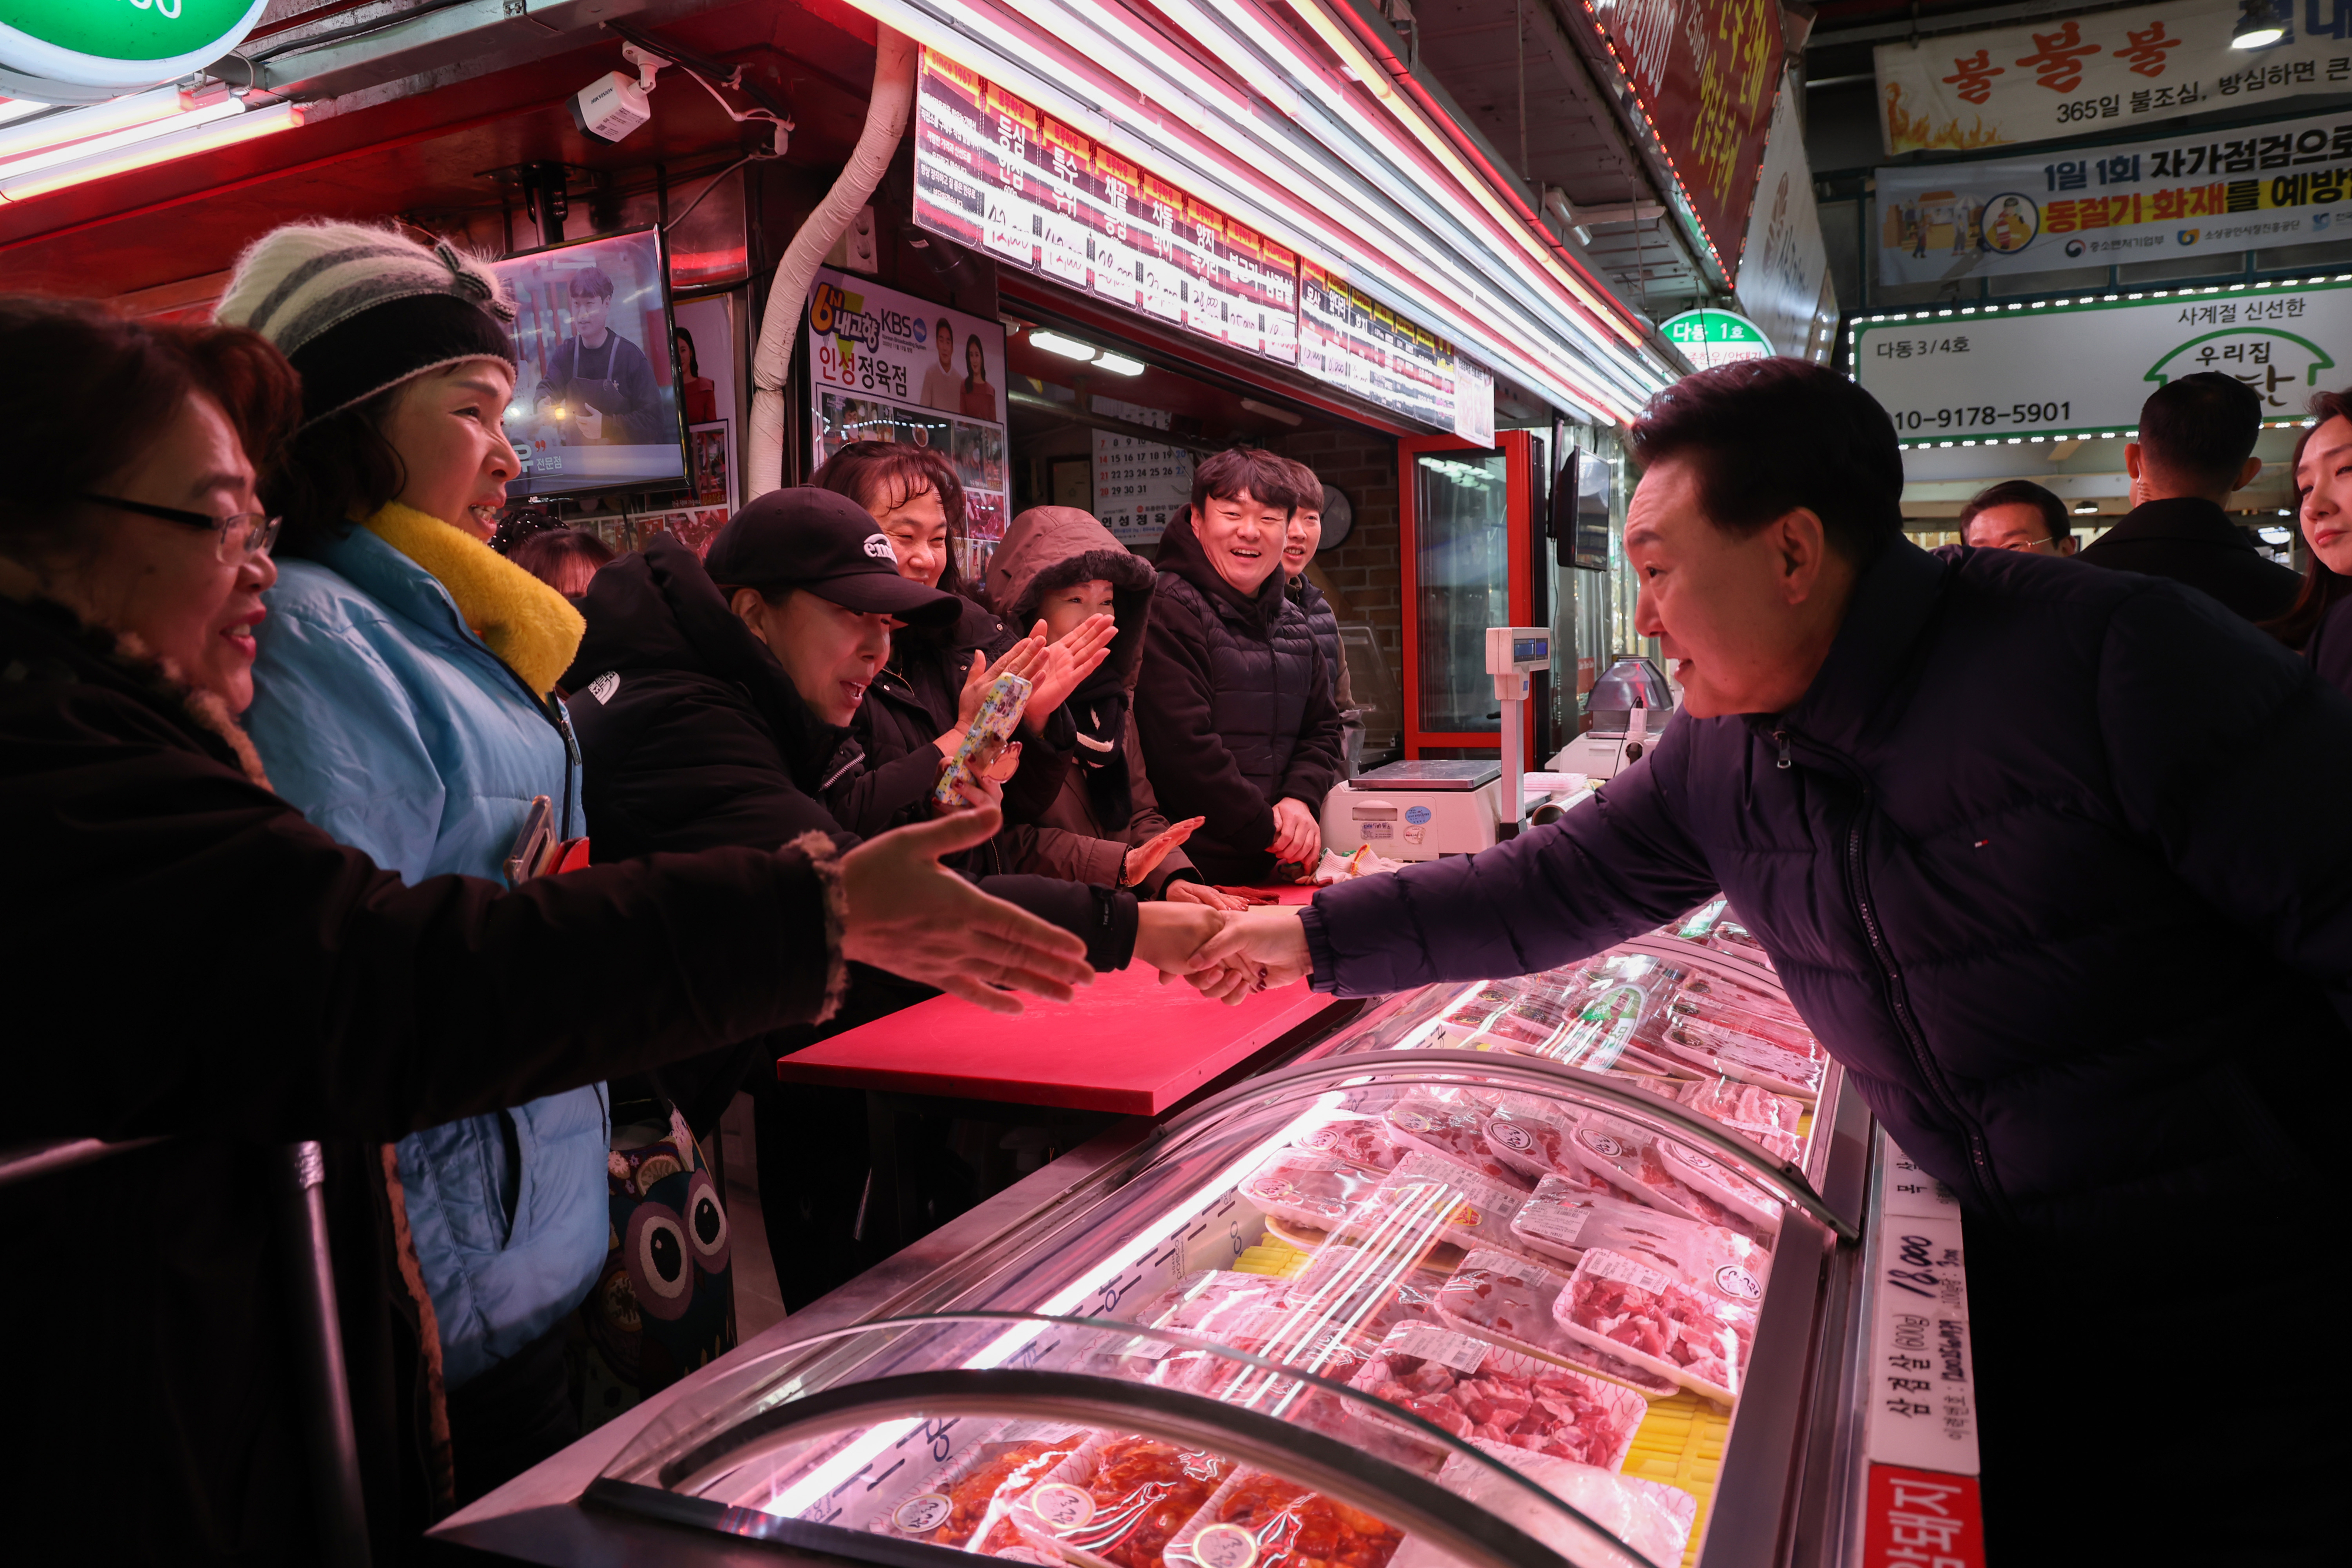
<point x="1581" y="1266"/>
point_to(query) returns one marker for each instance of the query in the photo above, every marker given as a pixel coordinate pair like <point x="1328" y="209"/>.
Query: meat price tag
<point x="1225" y="1546"/>
<point x="1915" y="1518"/>
<point x="1922" y="1396"/>
<point x="1429" y="1342"/>
<point x="921" y="1515"/>
<point x="1060" y="1504"/>
<point x="1557" y="1223"/>
<point x="1912" y="1191"/>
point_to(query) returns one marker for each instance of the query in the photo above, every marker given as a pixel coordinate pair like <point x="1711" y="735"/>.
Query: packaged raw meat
<point x="1308" y="1187"/>
<point x="1362" y="1142"/>
<point x="1365" y="1292"/>
<point x="1701" y="1341"/>
<point x="1426" y="1204"/>
<point x="1625" y="1154"/>
<point x="1652" y="1518"/>
<point x="1599" y="1019"/>
<point x="1769" y="1121"/>
<point x="1207" y="1303"/>
<point x="1504" y="1297"/>
<point x="1562" y="1224"/>
<point x="1528" y="1135"/>
<point x="1451" y="1126"/>
<point x="964" y="1505"/>
<point x="1471" y="1388"/>
<point x="1116" y="1501"/>
<point x="1260" y="1521"/>
<point x="1744" y="1205"/>
<point x="1718" y="1049"/>
<point x="1735" y="1012"/>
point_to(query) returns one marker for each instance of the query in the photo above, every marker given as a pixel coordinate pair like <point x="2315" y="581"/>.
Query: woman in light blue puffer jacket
<point x="404" y="699"/>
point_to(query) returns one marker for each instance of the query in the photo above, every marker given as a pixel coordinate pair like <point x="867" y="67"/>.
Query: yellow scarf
<point x="525" y="622"/>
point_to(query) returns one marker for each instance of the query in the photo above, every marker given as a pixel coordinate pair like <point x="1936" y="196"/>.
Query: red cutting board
<point x="1126" y="1044"/>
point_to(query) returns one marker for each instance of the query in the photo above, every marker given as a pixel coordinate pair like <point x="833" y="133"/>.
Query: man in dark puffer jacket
<point x="1234" y="704"/>
<point x="2063" y="937"/>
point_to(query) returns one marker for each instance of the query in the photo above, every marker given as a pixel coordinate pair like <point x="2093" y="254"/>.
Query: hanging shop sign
<point x="886" y="366"/>
<point x="2251" y="187"/>
<point x="1784" y="263"/>
<point x="1705" y="73"/>
<point x="96" y="49"/>
<point x="1974" y="375"/>
<point x="994" y="173"/>
<point x="2103" y="72"/>
<point x="1710" y="338"/>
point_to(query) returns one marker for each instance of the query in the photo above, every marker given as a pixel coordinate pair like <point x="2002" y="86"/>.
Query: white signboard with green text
<point x="1977" y="373"/>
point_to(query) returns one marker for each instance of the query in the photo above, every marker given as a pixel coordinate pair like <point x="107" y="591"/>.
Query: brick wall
<point x="1366" y="572"/>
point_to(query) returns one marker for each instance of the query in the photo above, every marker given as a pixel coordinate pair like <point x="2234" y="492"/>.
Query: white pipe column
<point x="886" y="122"/>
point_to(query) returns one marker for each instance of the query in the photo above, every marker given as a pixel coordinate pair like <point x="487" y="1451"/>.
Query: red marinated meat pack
<point x="965" y="1505"/>
<point x="1700" y="1340"/>
<point x="1261" y="1521"/>
<point x="1117" y="1502"/>
<point x="1472" y="1389"/>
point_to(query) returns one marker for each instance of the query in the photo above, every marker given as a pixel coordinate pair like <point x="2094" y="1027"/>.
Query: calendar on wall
<point x="1138" y="485"/>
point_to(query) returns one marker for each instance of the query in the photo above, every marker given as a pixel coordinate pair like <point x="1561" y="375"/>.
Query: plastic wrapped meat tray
<point x="1700" y="1339"/>
<point x="1362" y="1142"/>
<point x="965" y="1505"/>
<point x="1261" y="1521"/>
<point x="1364" y="1292"/>
<point x="1650" y="1517"/>
<point x="1209" y="1302"/>
<point x="1769" y="1121"/>
<point x="1718" y="1047"/>
<point x="1309" y="1187"/>
<point x="1662" y="1173"/>
<point x="1426" y="1205"/>
<point x="1117" y="1502"/>
<point x="1508" y="1299"/>
<point x="1562" y="1223"/>
<point x="1474" y="1389"/>
<point x="1453" y="1128"/>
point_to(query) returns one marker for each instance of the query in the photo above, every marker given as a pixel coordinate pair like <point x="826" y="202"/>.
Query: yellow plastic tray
<point x="1681" y="1442"/>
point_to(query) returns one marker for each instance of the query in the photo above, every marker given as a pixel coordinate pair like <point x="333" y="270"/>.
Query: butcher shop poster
<point x="2110" y="70"/>
<point x="886" y="366"/>
<point x="2249" y="187"/>
<point x="1973" y="375"/>
<point x="1784" y="263"/>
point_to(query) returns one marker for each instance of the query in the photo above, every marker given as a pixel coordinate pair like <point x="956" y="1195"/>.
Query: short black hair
<point x="1766" y="436"/>
<point x="1266" y="479"/>
<point x="2201" y="428"/>
<point x="591" y="280"/>
<point x="2014" y="493"/>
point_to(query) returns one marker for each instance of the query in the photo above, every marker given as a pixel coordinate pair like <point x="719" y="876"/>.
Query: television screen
<point x="595" y="404"/>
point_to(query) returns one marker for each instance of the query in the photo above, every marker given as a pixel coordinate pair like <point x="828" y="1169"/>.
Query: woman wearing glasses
<point x="188" y="960"/>
<point x="404" y="701"/>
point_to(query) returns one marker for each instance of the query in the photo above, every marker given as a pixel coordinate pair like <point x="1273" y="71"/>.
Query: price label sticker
<point x="1225" y="1546"/>
<point x="1446" y="1348"/>
<point x="921" y="1515"/>
<point x="1062" y="1505"/>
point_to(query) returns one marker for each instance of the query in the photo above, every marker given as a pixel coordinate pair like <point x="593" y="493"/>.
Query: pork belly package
<point x="1471" y="1388"/>
<point x="1698" y="1337"/>
<point x="1427" y="1203"/>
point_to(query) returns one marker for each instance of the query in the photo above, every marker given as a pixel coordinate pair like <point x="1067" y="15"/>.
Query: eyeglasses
<point x="236" y="537"/>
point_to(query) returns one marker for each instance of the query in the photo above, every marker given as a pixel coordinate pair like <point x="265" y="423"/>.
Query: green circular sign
<point x="1711" y="338"/>
<point x="84" y="51"/>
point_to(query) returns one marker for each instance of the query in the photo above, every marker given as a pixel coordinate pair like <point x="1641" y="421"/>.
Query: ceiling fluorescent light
<point x="76" y="125"/>
<point x="1119" y="364"/>
<point x="1068" y="348"/>
<point x="19" y="183"/>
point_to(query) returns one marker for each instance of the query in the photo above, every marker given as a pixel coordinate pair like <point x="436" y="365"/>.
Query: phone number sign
<point x="1970" y="374"/>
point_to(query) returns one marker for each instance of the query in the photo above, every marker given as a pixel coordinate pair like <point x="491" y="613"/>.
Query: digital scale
<point x="1623" y="702"/>
<point x="1420" y="809"/>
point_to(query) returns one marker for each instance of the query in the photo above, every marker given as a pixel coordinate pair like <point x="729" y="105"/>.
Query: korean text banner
<point x="1987" y="374"/>
<point x="2107" y="71"/>
<point x="1784" y="263"/>
<point x="1705" y="71"/>
<point x="886" y="366"/>
<point x="2253" y="186"/>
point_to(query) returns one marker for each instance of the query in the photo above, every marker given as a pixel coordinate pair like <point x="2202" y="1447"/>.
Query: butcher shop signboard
<point x="1982" y="375"/>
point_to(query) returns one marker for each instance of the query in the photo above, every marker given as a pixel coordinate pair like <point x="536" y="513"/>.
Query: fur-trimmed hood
<point x="128" y="663"/>
<point x="1053" y="546"/>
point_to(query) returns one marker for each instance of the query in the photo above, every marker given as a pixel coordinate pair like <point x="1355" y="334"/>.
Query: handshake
<point x="1223" y="954"/>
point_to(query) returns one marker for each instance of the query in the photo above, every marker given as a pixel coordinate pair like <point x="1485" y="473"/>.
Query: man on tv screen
<point x="602" y="382"/>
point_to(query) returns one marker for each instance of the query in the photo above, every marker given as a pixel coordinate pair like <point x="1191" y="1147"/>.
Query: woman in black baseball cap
<point x="713" y="700"/>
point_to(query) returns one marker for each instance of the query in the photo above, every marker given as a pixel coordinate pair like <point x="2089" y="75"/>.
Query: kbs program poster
<point x="886" y="366"/>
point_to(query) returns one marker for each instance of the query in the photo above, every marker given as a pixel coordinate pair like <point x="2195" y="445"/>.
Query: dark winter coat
<point x="2193" y="541"/>
<point x="191" y="960"/>
<point x="2059" y="945"/>
<point x="1051" y="548"/>
<point x="1234" y="706"/>
<point x="692" y="736"/>
<point x="2329" y="647"/>
<point x="1326" y="623"/>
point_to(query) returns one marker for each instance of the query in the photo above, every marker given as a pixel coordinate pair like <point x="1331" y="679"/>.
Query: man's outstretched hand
<point x="1256" y="950"/>
<point x="912" y="916"/>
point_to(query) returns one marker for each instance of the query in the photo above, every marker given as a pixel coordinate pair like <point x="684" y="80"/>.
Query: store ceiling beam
<point x="468" y="39"/>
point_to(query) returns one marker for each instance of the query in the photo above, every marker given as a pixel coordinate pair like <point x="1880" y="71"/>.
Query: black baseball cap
<point x="825" y="543"/>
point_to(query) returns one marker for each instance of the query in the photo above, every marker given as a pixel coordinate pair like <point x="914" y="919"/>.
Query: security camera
<point x="613" y="106"/>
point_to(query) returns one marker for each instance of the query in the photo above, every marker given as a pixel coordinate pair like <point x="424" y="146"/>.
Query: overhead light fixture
<point x="1068" y="348"/>
<point x="2260" y="23"/>
<point x="2084" y="507"/>
<point x="83" y="124"/>
<point x="2274" y="536"/>
<point x="223" y="125"/>
<point x="1119" y="364"/>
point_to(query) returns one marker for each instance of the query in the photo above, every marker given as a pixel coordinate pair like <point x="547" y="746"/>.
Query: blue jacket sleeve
<point x="340" y="737"/>
<point x="1614" y="866"/>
